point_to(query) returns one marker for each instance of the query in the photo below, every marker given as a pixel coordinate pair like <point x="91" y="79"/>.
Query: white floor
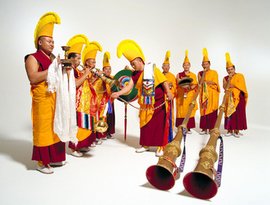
<point x="112" y="173"/>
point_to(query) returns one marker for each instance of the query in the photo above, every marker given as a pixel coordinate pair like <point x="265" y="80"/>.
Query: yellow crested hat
<point x="45" y="26"/>
<point x="186" y="60"/>
<point x="228" y="60"/>
<point x="205" y="55"/>
<point x="167" y="58"/>
<point x="130" y="49"/>
<point x="90" y="51"/>
<point x="106" y="58"/>
<point x="76" y="43"/>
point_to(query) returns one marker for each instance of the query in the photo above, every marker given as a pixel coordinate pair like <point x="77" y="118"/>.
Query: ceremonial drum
<point x="123" y="78"/>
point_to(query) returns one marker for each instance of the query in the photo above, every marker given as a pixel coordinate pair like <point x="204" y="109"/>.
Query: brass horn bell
<point x="101" y="126"/>
<point x="163" y="175"/>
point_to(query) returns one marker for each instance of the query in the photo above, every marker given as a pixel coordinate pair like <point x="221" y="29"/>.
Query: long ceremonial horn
<point x="200" y="183"/>
<point x="163" y="175"/>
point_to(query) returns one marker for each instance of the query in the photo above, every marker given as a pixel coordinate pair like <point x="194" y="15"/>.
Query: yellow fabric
<point x="172" y="83"/>
<point x="228" y="60"/>
<point x="82" y="134"/>
<point x="90" y="51"/>
<point x="84" y="106"/>
<point x="230" y="107"/>
<point x="146" y="115"/>
<point x="186" y="60"/>
<point x="212" y="93"/>
<point x="238" y="81"/>
<point x="45" y="26"/>
<point x="101" y="91"/>
<point x="182" y="104"/>
<point x="84" y="102"/>
<point x="106" y="59"/>
<point x="43" y="107"/>
<point x="130" y="49"/>
<point x="205" y="55"/>
<point x="167" y="58"/>
<point x="76" y="43"/>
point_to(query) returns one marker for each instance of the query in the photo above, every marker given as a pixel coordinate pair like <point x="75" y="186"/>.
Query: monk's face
<point x="137" y="64"/>
<point x="90" y="63"/>
<point x="76" y="60"/>
<point x="107" y="70"/>
<point x="46" y="44"/>
<point x="186" y="67"/>
<point x="206" y="65"/>
<point x="165" y="67"/>
<point x="231" y="70"/>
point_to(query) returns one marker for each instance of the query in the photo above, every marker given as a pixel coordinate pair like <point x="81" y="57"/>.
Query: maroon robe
<point x="152" y="134"/>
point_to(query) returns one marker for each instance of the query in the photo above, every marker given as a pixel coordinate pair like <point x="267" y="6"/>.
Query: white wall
<point x="238" y="26"/>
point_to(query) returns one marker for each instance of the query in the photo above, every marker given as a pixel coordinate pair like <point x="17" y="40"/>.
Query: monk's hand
<point x="169" y="96"/>
<point x="115" y="95"/>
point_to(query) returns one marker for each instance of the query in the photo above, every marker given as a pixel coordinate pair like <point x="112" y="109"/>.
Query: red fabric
<point x="152" y="134"/>
<point x="135" y="76"/>
<point x="190" y="124"/>
<point x="82" y="144"/>
<point x="100" y="135"/>
<point x="43" y="60"/>
<point x="50" y="154"/>
<point x="208" y="121"/>
<point x="238" y="120"/>
<point x="182" y="74"/>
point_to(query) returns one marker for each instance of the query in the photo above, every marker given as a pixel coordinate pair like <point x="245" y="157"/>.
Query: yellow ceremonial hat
<point x="106" y="58"/>
<point x="205" y="55"/>
<point x="167" y="58"/>
<point x="228" y="60"/>
<point x="76" y="43"/>
<point x="90" y="51"/>
<point x="45" y="26"/>
<point x="130" y="49"/>
<point x="186" y="60"/>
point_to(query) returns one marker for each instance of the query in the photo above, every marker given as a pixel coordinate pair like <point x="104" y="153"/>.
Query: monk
<point x="83" y="96"/>
<point x="209" y="96"/>
<point x="153" y="89"/>
<point x="172" y="85"/>
<point x="48" y="150"/>
<point x="185" y="95"/>
<point x="110" y="115"/>
<point x="235" y="115"/>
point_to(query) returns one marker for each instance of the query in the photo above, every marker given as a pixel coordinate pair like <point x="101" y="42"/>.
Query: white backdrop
<point x="240" y="27"/>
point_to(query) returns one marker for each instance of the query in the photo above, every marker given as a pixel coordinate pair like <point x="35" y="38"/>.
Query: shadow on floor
<point x="18" y="150"/>
<point x="131" y="141"/>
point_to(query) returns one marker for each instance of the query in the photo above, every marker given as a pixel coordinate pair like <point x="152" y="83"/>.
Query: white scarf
<point x="65" y="125"/>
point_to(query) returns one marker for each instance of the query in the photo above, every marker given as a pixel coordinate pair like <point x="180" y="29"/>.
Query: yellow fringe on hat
<point x="90" y="51"/>
<point x="76" y="43"/>
<point x="45" y="26"/>
<point x="186" y="60"/>
<point x="228" y="60"/>
<point x="130" y="49"/>
<point x="106" y="58"/>
<point x="205" y="55"/>
<point x="167" y="58"/>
